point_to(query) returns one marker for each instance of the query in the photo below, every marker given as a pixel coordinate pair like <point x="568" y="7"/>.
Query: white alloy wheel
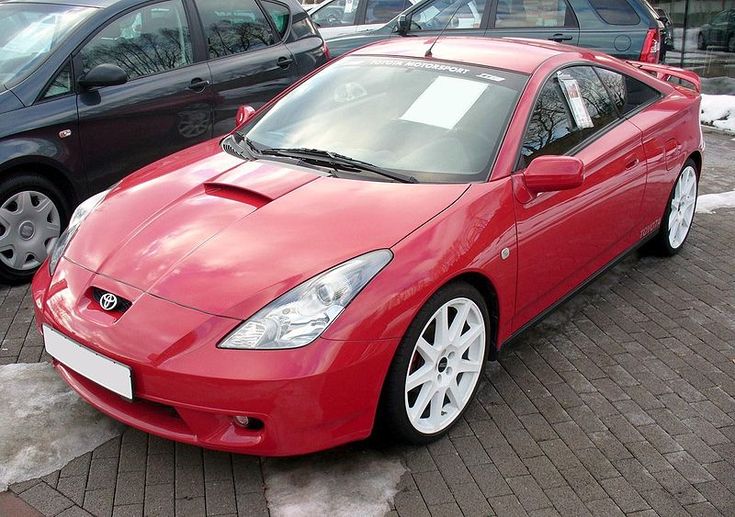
<point x="682" y="207"/>
<point x="445" y="366"/>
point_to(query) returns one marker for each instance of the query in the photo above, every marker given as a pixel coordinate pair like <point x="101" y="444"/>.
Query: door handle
<point x="631" y="164"/>
<point x="198" y="85"/>
<point x="561" y="37"/>
<point x="284" y="62"/>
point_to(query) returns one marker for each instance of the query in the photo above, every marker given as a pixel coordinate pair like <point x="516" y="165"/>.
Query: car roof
<point x="513" y="54"/>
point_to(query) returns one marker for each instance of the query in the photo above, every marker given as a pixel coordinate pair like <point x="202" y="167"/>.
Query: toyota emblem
<point x="108" y="301"/>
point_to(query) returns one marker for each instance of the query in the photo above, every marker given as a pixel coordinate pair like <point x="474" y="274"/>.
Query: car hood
<point x="226" y="236"/>
<point x="8" y="101"/>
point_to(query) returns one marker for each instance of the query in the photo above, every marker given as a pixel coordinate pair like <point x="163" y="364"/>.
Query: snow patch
<point x="718" y="111"/>
<point x="44" y="424"/>
<point x="337" y="483"/>
<point x="708" y="203"/>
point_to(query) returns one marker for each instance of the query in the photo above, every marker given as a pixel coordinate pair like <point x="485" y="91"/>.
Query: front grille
<point x="122" y="303"/>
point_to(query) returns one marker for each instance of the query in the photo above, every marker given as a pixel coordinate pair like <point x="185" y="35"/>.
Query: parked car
<point x="623" y="28"/>
<point x="719" y="33"/>
<point x="358" y="248"/>
<point x="338" y="17"/>
<point x="94" y="89"/>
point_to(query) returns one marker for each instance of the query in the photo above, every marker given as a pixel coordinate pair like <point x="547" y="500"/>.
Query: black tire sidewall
<point x="19" y="182"/>
<point x="393" y="420"/>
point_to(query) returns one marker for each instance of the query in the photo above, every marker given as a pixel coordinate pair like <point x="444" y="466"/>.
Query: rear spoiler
<point x="671" y="74"/>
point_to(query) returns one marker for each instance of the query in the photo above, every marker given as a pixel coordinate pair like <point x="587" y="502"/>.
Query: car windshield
<point x="29" y="33"/>
<point x="434" y="121"/>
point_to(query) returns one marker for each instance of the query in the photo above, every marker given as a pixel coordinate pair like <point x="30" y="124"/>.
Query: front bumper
<point x="186" y="389"/>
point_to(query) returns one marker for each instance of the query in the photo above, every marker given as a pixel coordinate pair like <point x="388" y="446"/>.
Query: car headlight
<point x="299" y="316"/>
<point x="79" y="215"/>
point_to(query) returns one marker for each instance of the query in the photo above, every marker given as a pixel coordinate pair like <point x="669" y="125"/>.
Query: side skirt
<point x="535" y="321"/>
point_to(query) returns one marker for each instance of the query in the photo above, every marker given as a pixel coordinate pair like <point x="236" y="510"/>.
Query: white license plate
<point x="104" y="371"/>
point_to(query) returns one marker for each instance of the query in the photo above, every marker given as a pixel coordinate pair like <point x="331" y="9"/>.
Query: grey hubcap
<point x="29" y="226"/>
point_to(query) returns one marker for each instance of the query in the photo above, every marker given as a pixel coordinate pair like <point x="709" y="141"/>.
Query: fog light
<point x="241" y="420"/>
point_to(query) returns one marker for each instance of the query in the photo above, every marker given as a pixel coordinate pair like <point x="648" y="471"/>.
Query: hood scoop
<point x="258" y="182"/>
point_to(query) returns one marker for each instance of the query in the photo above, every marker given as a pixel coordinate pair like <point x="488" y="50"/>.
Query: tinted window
<point x="436" y="15"/>
<point x="336" y="13"/>
<point x="534" y="13"/>
<point x="556" y="124"/>
<point x="627" y="93"/>
<point x="232" y="27"/>
<point x="61" y="85"/>
<point x="280" y="14"/>
<point x="616" y="12"/>
<point x="381" y="11"/>
<point x="303" y="27"/>
<point x="146" y="41"/>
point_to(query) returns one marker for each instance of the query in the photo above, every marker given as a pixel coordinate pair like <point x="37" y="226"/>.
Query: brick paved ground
<point x="622" y="402"/>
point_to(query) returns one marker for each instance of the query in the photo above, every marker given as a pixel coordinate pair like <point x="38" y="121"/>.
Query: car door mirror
<point x="244" y="114"/>
<point x="105" y="74"/>
<point x="403" y="25"/>
<point x="552" y="173"/>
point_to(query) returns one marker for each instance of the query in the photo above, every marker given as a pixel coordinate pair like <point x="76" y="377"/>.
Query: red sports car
<point x="357" y="249"/>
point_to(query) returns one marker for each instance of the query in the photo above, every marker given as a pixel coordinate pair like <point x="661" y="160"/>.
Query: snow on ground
<point x="43" y="424"/>
<point x="337" y="483"/>
<point x="718" y="111"/>
<point x="708" y="203"/>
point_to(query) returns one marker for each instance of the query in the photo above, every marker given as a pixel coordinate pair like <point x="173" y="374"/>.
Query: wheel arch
<point x="54" y="172"/>
<point x="697" y="158"/>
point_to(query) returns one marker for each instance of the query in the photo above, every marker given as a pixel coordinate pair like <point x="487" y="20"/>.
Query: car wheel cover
<point x="30" y="225"/>
<point x="445" y="366"/>
<point x="682" y="207"/>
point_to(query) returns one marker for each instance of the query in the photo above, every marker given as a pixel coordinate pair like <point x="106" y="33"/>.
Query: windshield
<point x="30" y="32"/>
<point x="435" y="121"/>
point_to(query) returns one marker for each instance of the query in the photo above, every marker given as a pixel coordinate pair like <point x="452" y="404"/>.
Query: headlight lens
<point x="300" y="316"/>
<point x="79" y="215"/>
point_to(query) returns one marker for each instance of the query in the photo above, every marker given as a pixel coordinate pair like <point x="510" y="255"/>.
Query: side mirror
<point x="552" y="173"/>
<point x="104" y="75"/>
<point x="244" y="114"/>
<point x="403" y="25"/>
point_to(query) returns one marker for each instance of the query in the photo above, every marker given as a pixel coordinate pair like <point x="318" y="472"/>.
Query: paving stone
<point x="529" y="493"/>
<point x="490" y="481"/>
<point x="45" y="499"/>
<point x="624" y="495"/>
<point x="433" y="488"/>
<point x="159" y="500"/>
<point x="410" y="504"/>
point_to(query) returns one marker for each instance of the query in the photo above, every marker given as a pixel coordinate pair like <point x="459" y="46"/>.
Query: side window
<point x="144" y="42"/>
<point x="436" y="15"/>
<point x="337" y="13"/>
<point x="381" y="11"/>
<point x="573" y="105"/>
<point x="280" y="14"/>
<point x="534" y="13"/>
<point x="616" y="12"/>
<point x="303" y="27"/>
<point x="234" y="26"/>
<point x="61" y="84"/>
<point x="628" y="94"/>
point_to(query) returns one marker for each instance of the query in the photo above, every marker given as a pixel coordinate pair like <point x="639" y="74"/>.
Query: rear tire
<point x="33" y="211"/>
<point x="435" y="373"/>
<point x="679" y="213"/>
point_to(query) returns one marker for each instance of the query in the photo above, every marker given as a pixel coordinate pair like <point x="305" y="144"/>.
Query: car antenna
<point x="428" y="51"/>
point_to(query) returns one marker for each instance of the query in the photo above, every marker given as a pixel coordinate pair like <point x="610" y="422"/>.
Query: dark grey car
<point x="628" y="29"/>
<point x="91" y="90"/>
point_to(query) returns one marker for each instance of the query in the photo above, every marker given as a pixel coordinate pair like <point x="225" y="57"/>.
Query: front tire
<point x="438" y="365"/>
<point x="679" y="213"/>
<point x="32" y="213"/>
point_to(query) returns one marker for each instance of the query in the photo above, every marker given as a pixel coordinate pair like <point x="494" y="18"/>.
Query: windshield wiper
<point x="335" y="160"/>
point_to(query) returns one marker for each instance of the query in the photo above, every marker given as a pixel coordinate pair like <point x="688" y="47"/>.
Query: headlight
<point x="79" y="215"/>
<point x="301" y="315"/>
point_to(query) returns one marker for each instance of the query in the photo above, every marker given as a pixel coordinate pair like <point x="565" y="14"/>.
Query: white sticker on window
<point x="349" y="6"/>
<point x="571" y="90"/>
<point x="444" y="102"/>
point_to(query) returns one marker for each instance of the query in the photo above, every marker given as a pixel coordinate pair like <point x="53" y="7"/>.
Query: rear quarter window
<point x="628" y="94"/>
<point x="616" y="12"/>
